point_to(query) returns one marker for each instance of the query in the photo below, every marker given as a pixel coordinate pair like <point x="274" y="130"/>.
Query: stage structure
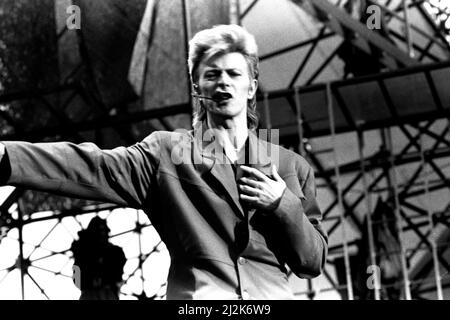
<point x="364" y="100"/>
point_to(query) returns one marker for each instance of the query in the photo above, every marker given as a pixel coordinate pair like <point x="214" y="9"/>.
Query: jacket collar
<point x="209" y="158"/>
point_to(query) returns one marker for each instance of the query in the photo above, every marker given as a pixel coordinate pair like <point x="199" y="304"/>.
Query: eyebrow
<point x="209" y="68"/>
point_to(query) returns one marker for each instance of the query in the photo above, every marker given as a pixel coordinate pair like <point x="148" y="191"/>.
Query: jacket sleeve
<point x="121" y="175"/>
<point x="306" y="242"/>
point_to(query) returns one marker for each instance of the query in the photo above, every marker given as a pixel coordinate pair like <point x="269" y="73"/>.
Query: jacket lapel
<point x="209" y="158"/>
<point x="225" y="175"/>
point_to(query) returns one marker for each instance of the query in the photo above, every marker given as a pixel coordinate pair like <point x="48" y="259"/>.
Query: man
<point x="101" y="262"/>
<point x="230" y="219"/>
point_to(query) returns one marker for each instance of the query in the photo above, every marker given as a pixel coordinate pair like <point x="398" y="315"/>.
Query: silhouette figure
<point x="388" y="250"/>
<point x="100" y="262"/>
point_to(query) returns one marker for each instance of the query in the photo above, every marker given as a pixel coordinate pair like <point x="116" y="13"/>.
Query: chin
<point x="228" y="111"/>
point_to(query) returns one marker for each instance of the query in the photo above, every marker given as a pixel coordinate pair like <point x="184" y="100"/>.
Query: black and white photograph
<point x="235" y="152"/>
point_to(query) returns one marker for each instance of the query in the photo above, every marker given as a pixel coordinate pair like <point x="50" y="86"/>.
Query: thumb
<point x="275" y="173"/>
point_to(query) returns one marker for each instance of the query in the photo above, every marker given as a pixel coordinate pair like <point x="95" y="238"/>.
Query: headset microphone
<point x="202" y="97"/>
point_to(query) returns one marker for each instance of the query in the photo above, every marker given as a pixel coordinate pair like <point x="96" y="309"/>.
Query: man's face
<point x="226" y="79"/>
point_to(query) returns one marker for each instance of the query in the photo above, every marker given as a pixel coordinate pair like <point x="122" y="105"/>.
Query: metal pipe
<point x="141" y="254"/>
<point x="343" y="219"/>
<point x="298" y="108"/>
<point x="235" y="12"/>
<point x="432" y="240"/>
<point x="369" y="212"/>
<point x="393" y="177"/>
<point x="187" y="36"/>
<point x="21" y="259"/>
<point x="407" y="29"/>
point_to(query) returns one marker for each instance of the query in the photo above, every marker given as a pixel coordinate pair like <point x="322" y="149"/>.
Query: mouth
<point x="222" y="96"/>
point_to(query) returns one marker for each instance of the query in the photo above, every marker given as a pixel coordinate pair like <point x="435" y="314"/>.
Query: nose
<point x="223" y="79"/>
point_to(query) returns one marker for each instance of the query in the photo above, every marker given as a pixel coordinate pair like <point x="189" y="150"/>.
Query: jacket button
<point x="242" y="260"/>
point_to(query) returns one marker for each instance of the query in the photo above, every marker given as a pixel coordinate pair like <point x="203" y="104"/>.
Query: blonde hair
<point x="222" y="39"/>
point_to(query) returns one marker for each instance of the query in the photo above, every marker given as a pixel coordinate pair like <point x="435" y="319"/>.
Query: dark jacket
<point x="219" y="248"/>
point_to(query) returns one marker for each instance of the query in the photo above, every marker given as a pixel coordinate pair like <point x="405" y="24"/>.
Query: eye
<point x="235" y="73"/>
<point x="211" y="74"/>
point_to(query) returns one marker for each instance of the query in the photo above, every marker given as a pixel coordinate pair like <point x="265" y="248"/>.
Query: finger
<point x="255" y="173"/>
<point x="249" y="190"/>
<point x="275" y="173"/>
<point x="249" y="198"/>
<point x="251" y="182"/>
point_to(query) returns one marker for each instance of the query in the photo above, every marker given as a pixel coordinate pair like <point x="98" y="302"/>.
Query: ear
<point x="252" y="89"/>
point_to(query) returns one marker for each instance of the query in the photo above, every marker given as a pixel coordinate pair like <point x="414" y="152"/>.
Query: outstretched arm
<point x="121" y="175"/>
